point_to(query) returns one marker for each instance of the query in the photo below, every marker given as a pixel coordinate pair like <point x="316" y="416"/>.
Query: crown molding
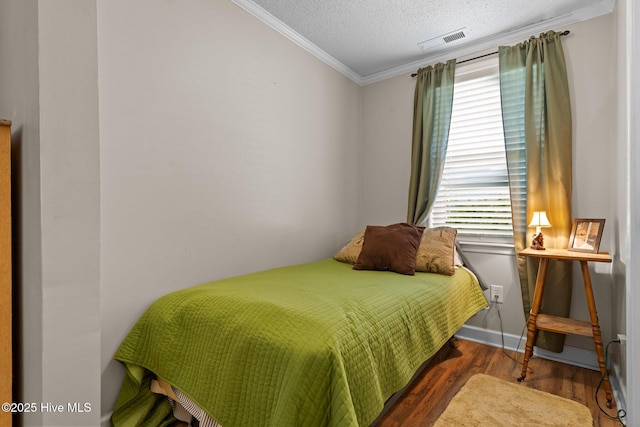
<point x="506" y="37"/>
<point x="298" y="39"/>
<point x="498" y="39"/>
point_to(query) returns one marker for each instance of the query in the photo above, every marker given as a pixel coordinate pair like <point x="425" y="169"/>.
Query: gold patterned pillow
<point x="436" y="252"/>
<point x="351" y="251"/>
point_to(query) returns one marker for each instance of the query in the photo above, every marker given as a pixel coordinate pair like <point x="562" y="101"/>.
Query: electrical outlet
<point x="497" y="293"/>
<point x="623" y="339"/>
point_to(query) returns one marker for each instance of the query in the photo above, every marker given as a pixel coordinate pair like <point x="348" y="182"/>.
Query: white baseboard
<point x="618" y="390"/>
<point x="571" y="355"/>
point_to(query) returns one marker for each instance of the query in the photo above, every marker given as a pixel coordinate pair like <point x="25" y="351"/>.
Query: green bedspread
<point x="317" y="344"/>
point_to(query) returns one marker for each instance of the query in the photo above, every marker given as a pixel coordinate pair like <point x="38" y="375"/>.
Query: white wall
<point x="621" y="15"/>
<point x="70" y="197"/>
<point x="627" y="274"/>
<point x="225" y="149"/>
<point x="629" y="145"/>
<point x="387" y="121"/>
<point x="49" y="91"/>
<point x="593" y="99"/>
<point x="387" y="111"/>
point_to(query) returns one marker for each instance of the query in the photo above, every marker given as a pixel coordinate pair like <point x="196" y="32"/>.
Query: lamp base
<point x="538" y="242"/>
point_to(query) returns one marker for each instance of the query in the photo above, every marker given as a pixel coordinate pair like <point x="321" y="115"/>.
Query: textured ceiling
<point x="372" y="37"/>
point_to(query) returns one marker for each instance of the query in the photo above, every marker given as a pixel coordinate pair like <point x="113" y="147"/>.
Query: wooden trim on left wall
<point x="6" y="356"/>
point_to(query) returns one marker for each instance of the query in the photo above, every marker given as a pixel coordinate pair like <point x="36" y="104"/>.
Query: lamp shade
<point x="540" y="219"/>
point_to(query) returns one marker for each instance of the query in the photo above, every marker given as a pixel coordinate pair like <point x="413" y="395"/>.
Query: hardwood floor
<point x="431" y="391"/>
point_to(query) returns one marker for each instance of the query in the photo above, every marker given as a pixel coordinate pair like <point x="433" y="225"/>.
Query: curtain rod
<point x="564" y="33"/>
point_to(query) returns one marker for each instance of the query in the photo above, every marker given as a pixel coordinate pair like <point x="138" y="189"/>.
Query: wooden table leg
<point x="595" y="325"/>
<point x="532" y="329"/>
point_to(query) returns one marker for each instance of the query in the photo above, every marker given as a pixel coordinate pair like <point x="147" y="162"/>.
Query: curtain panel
<point x="433" y="102"/>
<point x="536" y="112"/>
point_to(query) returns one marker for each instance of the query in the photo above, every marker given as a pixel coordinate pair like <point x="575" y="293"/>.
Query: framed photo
<point x="585" y="235"/>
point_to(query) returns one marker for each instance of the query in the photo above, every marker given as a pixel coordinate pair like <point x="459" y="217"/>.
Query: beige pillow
<point x="436" y="253"/>
<point x="351" y="251"/>
<point x="390" y="248"/>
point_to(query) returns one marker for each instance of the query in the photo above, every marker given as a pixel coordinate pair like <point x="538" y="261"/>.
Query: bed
<point x="315" y="344"/>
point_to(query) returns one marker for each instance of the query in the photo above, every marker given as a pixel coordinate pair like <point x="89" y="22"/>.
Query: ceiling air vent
<point x="453" y="37"/>
<point x="444" y="39"/>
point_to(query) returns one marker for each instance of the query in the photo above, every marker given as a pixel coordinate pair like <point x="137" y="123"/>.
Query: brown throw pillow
<point x="436" y="253"/>
<point x="392" y="248"/>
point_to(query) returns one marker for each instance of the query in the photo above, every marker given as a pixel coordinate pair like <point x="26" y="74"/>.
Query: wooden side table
<point x="538" y="321"/>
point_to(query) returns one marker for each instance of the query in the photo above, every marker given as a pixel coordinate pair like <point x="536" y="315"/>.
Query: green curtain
<point x="433" y="101"/>
<point x="536" y="112"/>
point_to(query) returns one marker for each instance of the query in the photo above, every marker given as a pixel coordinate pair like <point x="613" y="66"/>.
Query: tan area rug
<point x="489" y="401"/>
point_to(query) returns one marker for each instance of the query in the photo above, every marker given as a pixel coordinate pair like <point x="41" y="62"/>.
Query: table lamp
<point x="539" y="221"/>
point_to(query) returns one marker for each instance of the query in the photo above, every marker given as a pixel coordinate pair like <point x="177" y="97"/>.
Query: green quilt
<point x="316" y="344"/>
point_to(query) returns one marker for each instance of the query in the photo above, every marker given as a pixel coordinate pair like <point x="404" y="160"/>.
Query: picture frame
<point x="586" y="234"/>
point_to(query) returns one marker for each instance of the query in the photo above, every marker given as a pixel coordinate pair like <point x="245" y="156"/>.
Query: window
<point x="474" y="192"/>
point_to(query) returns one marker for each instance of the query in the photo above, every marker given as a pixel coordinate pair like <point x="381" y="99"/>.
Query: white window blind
<point x="474" y="192"/>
